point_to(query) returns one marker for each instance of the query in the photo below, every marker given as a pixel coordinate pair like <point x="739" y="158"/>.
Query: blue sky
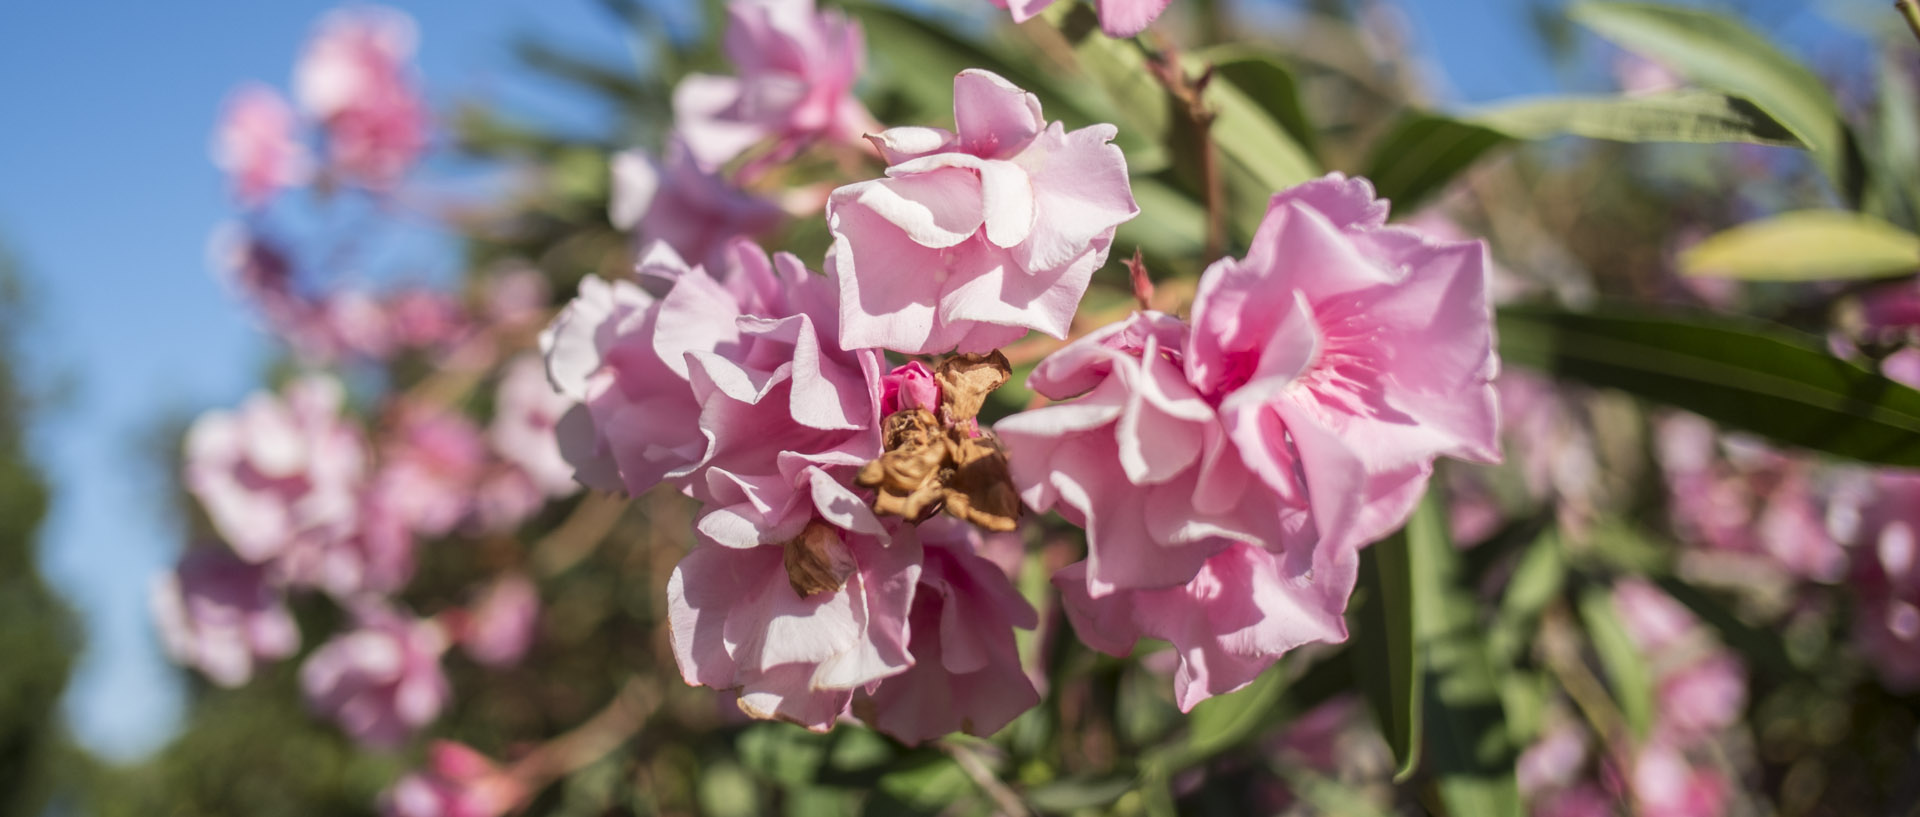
<point x="107" y="198"/>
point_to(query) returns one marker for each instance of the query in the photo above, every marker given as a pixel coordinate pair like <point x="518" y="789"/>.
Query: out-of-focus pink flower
<point x="1752" y="500"/>
<point x="501" y="625"/>
<point x="1652" y="618"/>
<point x="966" y="674"/>
<point x="909" y="386"/>
<point x="1638" y="75"/>
<point x="349" y="321"/>
<point x="1118" y="18"/>
<point x="517" y="295"/>
<point x="692" y="210"/>
<point x="1702" y="697"/>
<point x="219" y="615"/>
<point x="526" y="414"/>
<point x="1886" y="578"/>
<point x="1892" y="309"/>
<point x="375" y="556"/>
<point x="506" y="497"/>
<point x="256" y="145"/>
<point x="381" y="681"/>
<point x="1585" y="800"/>
<point x="457" y="782"/>
<point x="797" y="69"/>
<point x="355" y="78"/>
<point x="1552" y="443"/>
<point x="1239" y="614"/>
<point x="431" y="462"/>
<point x="740" y="620"/>
<point x="1553" y="762"/>
<point x="420" y="318"/>
<point x="975" y="236"/>
<point x="280" y="470"/>
<point x="1665" y="784"/>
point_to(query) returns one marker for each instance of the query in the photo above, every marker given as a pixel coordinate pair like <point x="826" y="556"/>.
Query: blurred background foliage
<point x="1465" y="656"/>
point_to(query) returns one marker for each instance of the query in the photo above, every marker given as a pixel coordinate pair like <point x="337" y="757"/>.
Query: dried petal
<point x="966" y="380"/>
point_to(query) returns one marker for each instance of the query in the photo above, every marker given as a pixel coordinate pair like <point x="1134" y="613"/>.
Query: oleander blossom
<point x="731" y="390"/>
<point x="257" y="145"/>
<point x="431" y="463"/>
<point x="279" y="472"/>
<point x="1118" y="18"/>
<point x="977" y="235"/>
<point x="456" y="782"/>
<point x="1230" y="471"/>
<point x="355" y="77"/>
<point x="795" y="628"/>
<point x="693" y="209"/>
<point x="381" y="681"/>
<point x="1886" y="577"/>
<point x="222" y="617"/>
<point x="500" y="626"/>
<point x="527" y="412"/>
<point x="966" y="674"/>
<point x="796" y="68"/>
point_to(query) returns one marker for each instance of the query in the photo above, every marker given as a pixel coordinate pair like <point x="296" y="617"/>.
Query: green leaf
<point x="1222" y="720"/>
<point x="1625" y="666"/>
<point x="1268" y="82"/>
<point x="1723" y="54"/>
<point x="1386" y="649"/>
<point x="1422" y="153"/>
<point x="1075" y="793"/>
<point x="925" y="787"/>
<point x="782" y="752"/>
<point x="1808" y="245"/>
<point x="1468" y="751"/>
<point x="1674" y="116"/>
<point x="1743" y="375"/>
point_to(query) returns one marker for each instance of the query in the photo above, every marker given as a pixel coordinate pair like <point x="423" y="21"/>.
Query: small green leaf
<point x="925" y="787"/>
<point x="1625" y="665"/>
<point x="1385" y="647"/>
<point x="1725" y="55"/>
<point x="1220" y="721"/>
<point x="1808" y="245"/>
<point x="1422" y="153"/>
<point x="1674" y="116"/>
<point x="1266" y="80"/>
<point x="1740" y="374"/>
<point x="1075" y="793"/>
<point x="782" y="752"/>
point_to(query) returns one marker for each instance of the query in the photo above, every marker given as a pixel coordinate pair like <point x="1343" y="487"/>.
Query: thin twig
<point x="1006" y="799"/>
<point x="584" y="744"/>
<point x="577" y="537"/>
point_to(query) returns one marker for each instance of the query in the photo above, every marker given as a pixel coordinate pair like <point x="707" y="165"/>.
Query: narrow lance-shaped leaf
<point x="1725" y="55"/>
<point x="1626" y="668"/>
<point x="1423" y="153"/>
<point x="1769" y="381"/>
<point x="1385" y="647"/>
<point x="1809" y="245"/>
<point x="1673" y="116"/>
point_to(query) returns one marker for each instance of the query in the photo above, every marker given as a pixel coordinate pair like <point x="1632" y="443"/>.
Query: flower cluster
<point x="1227" y="468"/>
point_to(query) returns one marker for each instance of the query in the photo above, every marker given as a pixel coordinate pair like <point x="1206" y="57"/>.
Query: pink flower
<point x="279" y="471"/>
<point x="1751" y="500"/>
<point x="375" y="556"/>
<point x="966" y="674"/>
<point x="380" y="681"/>
<point x="431" y="462"/>
<point x="1238" y="614"/>
<point x="797" y="69"/>
<point x="1553" y="762"/>
<point x="219" y="615"/>
<point x="1702" y="697"/>
<point x="675" y="201"/>
<point x="909" y="386"/>
<point x="355" y="79"/>
<point x="974" y="237"/>
<point x="741" y="620"/>
<point x="517" y="295"/>
<point x="526" y="413"/>
<point x="1652" y="618"/>
<point x="501" y="625"/>
<point x="422" y="318"/>
<point x="457" y="782"/>
<point x="1886" y="578"/>
<point x="732" y="390"/>
<point x="1118" y="18"/>
<point x="1666" y="784"/>
<point x="257" y="147"/>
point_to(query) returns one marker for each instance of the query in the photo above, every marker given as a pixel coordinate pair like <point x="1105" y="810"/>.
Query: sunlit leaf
<point x="1744" y="375"/>
<point x="1423" y="153"/>
<point x="1808" y="245"/>
<point x="1723" y="54"/>
<point x="1674" y="116"/>
<point x="1624" y="663"/>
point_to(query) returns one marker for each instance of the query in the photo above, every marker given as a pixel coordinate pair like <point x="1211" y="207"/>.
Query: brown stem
<point x="1188" y="95"/>
<point x="582" y="531"/>
<point x="588" y="742"/>
<point x="1006" y="799"/>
